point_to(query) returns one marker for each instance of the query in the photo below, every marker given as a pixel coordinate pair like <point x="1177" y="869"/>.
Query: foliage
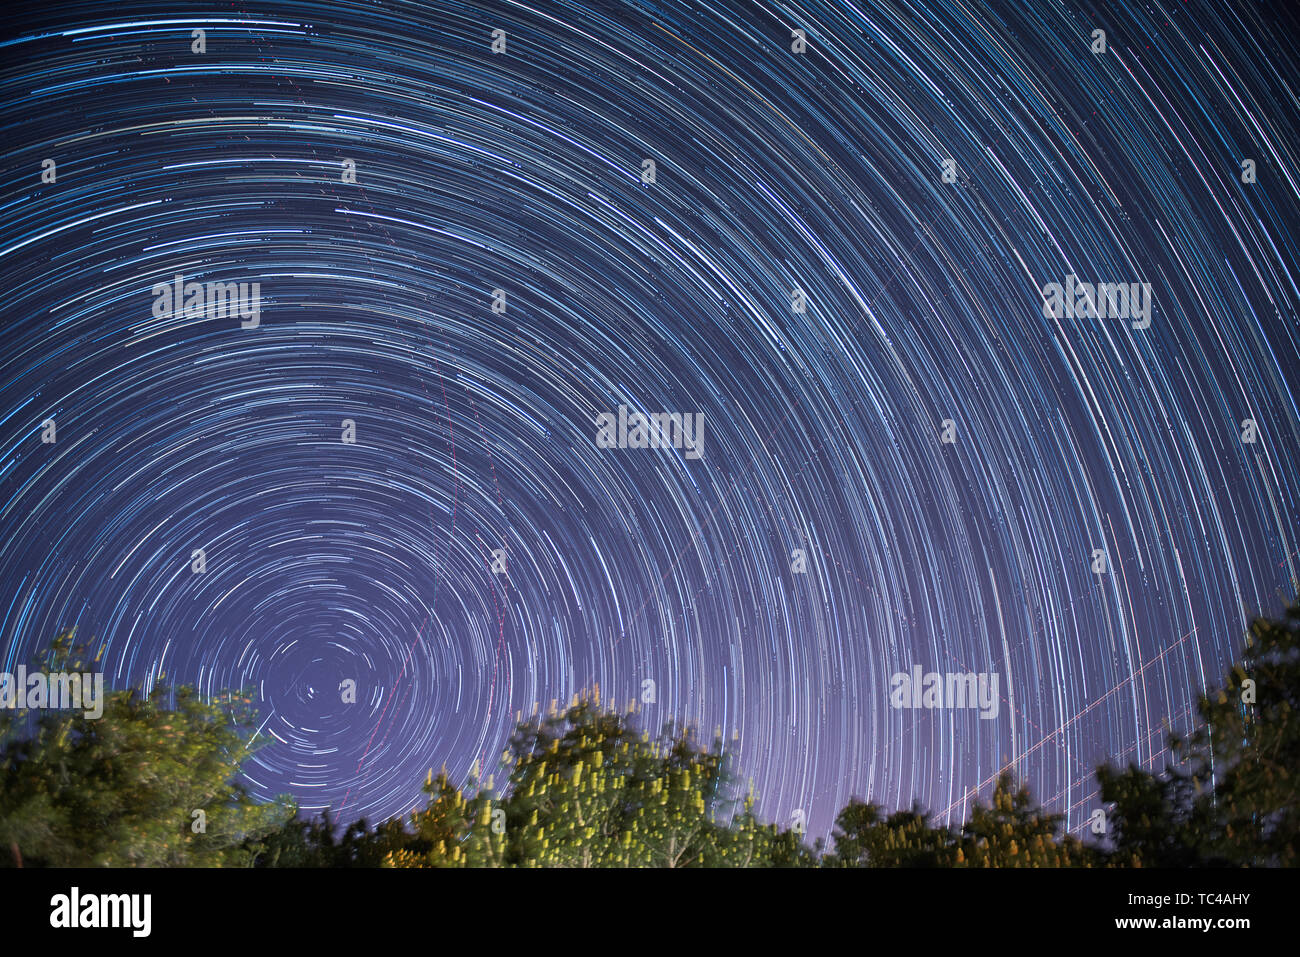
<point x="1230" y="797"/>
<point x="121" y="790"/>
<point x="1010" y="831"/>
<point x="585" y="788"/>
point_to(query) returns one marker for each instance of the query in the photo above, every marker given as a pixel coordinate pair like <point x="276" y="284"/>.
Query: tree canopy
<point x="155" y="782"/>
<point x="585" y="788"/>
<point x="152" y="782"/>
<point x="1229" y="797"/>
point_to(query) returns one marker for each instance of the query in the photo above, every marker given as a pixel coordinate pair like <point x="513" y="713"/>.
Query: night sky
<point x="822" y="430"/>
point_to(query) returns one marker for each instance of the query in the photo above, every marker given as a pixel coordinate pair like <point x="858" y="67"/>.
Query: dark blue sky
<point x="776" y="170"/>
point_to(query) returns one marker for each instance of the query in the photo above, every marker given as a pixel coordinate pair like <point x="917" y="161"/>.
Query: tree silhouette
<point x="143" y="785"/>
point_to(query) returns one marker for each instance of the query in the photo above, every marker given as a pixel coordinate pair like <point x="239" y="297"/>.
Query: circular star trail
<point x="386" y="475"/>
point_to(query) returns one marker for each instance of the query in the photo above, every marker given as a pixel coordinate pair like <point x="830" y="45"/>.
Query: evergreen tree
<point x="865" y="836"/>
<point x="1229" y="798"/>
<point x="123" y="790"/>
<point x="1013" y="831"/>
<point x="586" y="788"/>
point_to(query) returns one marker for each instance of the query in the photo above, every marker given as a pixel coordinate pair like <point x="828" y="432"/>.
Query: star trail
<point x="840" y="258"/>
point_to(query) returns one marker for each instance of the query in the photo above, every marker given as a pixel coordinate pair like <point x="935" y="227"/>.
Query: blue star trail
<point x="840" y="262"/>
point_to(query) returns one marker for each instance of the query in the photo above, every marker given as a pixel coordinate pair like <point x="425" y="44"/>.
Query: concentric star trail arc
<point x="843" y="262"/>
